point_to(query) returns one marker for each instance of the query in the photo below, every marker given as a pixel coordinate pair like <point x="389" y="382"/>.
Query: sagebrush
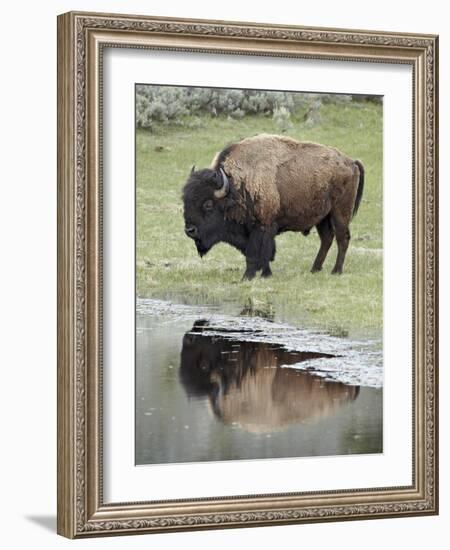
<point x="173" y="104"/>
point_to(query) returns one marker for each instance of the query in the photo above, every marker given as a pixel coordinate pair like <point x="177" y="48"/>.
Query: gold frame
<point x="81" y="37"/>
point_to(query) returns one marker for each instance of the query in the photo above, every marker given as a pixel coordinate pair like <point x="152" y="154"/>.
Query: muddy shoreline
<point x="357" y="362"/>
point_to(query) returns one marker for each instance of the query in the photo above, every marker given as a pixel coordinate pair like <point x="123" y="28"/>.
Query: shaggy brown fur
<point x="297" y="182"/>
<point x="295" y="186"/>
<point x="265" y="185"/>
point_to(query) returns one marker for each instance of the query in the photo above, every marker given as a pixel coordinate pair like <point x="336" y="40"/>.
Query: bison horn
<point x="193" y="168"/>
<point x="225" y="187"/>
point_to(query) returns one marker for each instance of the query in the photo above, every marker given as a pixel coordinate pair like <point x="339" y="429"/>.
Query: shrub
<point x="172" y="104"/>
<point x="281" y="118"/>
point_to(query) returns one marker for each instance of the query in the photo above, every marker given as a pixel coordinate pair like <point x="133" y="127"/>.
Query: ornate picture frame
<point x="82" y="38"/>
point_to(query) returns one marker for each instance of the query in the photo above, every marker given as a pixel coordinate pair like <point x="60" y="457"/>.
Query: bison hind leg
<point x="341" y="215"/>
<point x="343" y="240"/>
<point x="326" y="233"/>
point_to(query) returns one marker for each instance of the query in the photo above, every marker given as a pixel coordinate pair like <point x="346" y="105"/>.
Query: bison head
<point x="205" y="197"/>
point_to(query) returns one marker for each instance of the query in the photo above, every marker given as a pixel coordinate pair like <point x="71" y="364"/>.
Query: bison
<point x="245" y="384"/>
<point x="264" y="185"/>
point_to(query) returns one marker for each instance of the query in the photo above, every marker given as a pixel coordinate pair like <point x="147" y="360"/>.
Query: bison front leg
<point x="260" y="252"/>
<point x="268" y="252"/>
<point x="252" y="268"/>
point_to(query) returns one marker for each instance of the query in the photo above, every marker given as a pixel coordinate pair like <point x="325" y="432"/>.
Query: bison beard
<point x="265" y="185"/>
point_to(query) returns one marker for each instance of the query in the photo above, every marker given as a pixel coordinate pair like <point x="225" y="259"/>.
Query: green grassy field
<point x="167" y="262"/>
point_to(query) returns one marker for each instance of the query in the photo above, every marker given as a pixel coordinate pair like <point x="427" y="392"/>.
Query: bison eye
<point x="208" y="205"/>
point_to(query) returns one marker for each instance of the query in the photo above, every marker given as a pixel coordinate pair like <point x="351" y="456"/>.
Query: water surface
<point x="214" y="386"/>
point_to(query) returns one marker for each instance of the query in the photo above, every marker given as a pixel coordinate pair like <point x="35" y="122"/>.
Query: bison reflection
<point x="246" y="386"/>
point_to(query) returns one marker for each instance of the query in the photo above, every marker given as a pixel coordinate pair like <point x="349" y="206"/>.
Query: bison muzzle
<point x="264" y="185"/>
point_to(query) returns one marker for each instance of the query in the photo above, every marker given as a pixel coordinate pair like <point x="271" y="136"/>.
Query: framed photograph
<point x="247" y="274"/>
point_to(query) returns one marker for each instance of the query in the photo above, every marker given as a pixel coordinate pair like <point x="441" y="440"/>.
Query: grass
<point x="167" y="264"/>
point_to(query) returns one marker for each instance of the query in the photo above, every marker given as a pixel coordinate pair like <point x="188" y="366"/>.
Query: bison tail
<point x="360" y="190"/>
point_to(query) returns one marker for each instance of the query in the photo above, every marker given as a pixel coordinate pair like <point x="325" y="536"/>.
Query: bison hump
<point x="253" y="165"/>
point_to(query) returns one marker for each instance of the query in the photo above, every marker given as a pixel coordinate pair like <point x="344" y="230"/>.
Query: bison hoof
<point x="267" y="272"/>
<point x="315" y="269"/>
<point x="337" y="271"/>
<point x="248" y="276"/>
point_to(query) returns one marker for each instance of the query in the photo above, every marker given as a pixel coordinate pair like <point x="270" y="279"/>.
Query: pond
<point x="215" y="385"/>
